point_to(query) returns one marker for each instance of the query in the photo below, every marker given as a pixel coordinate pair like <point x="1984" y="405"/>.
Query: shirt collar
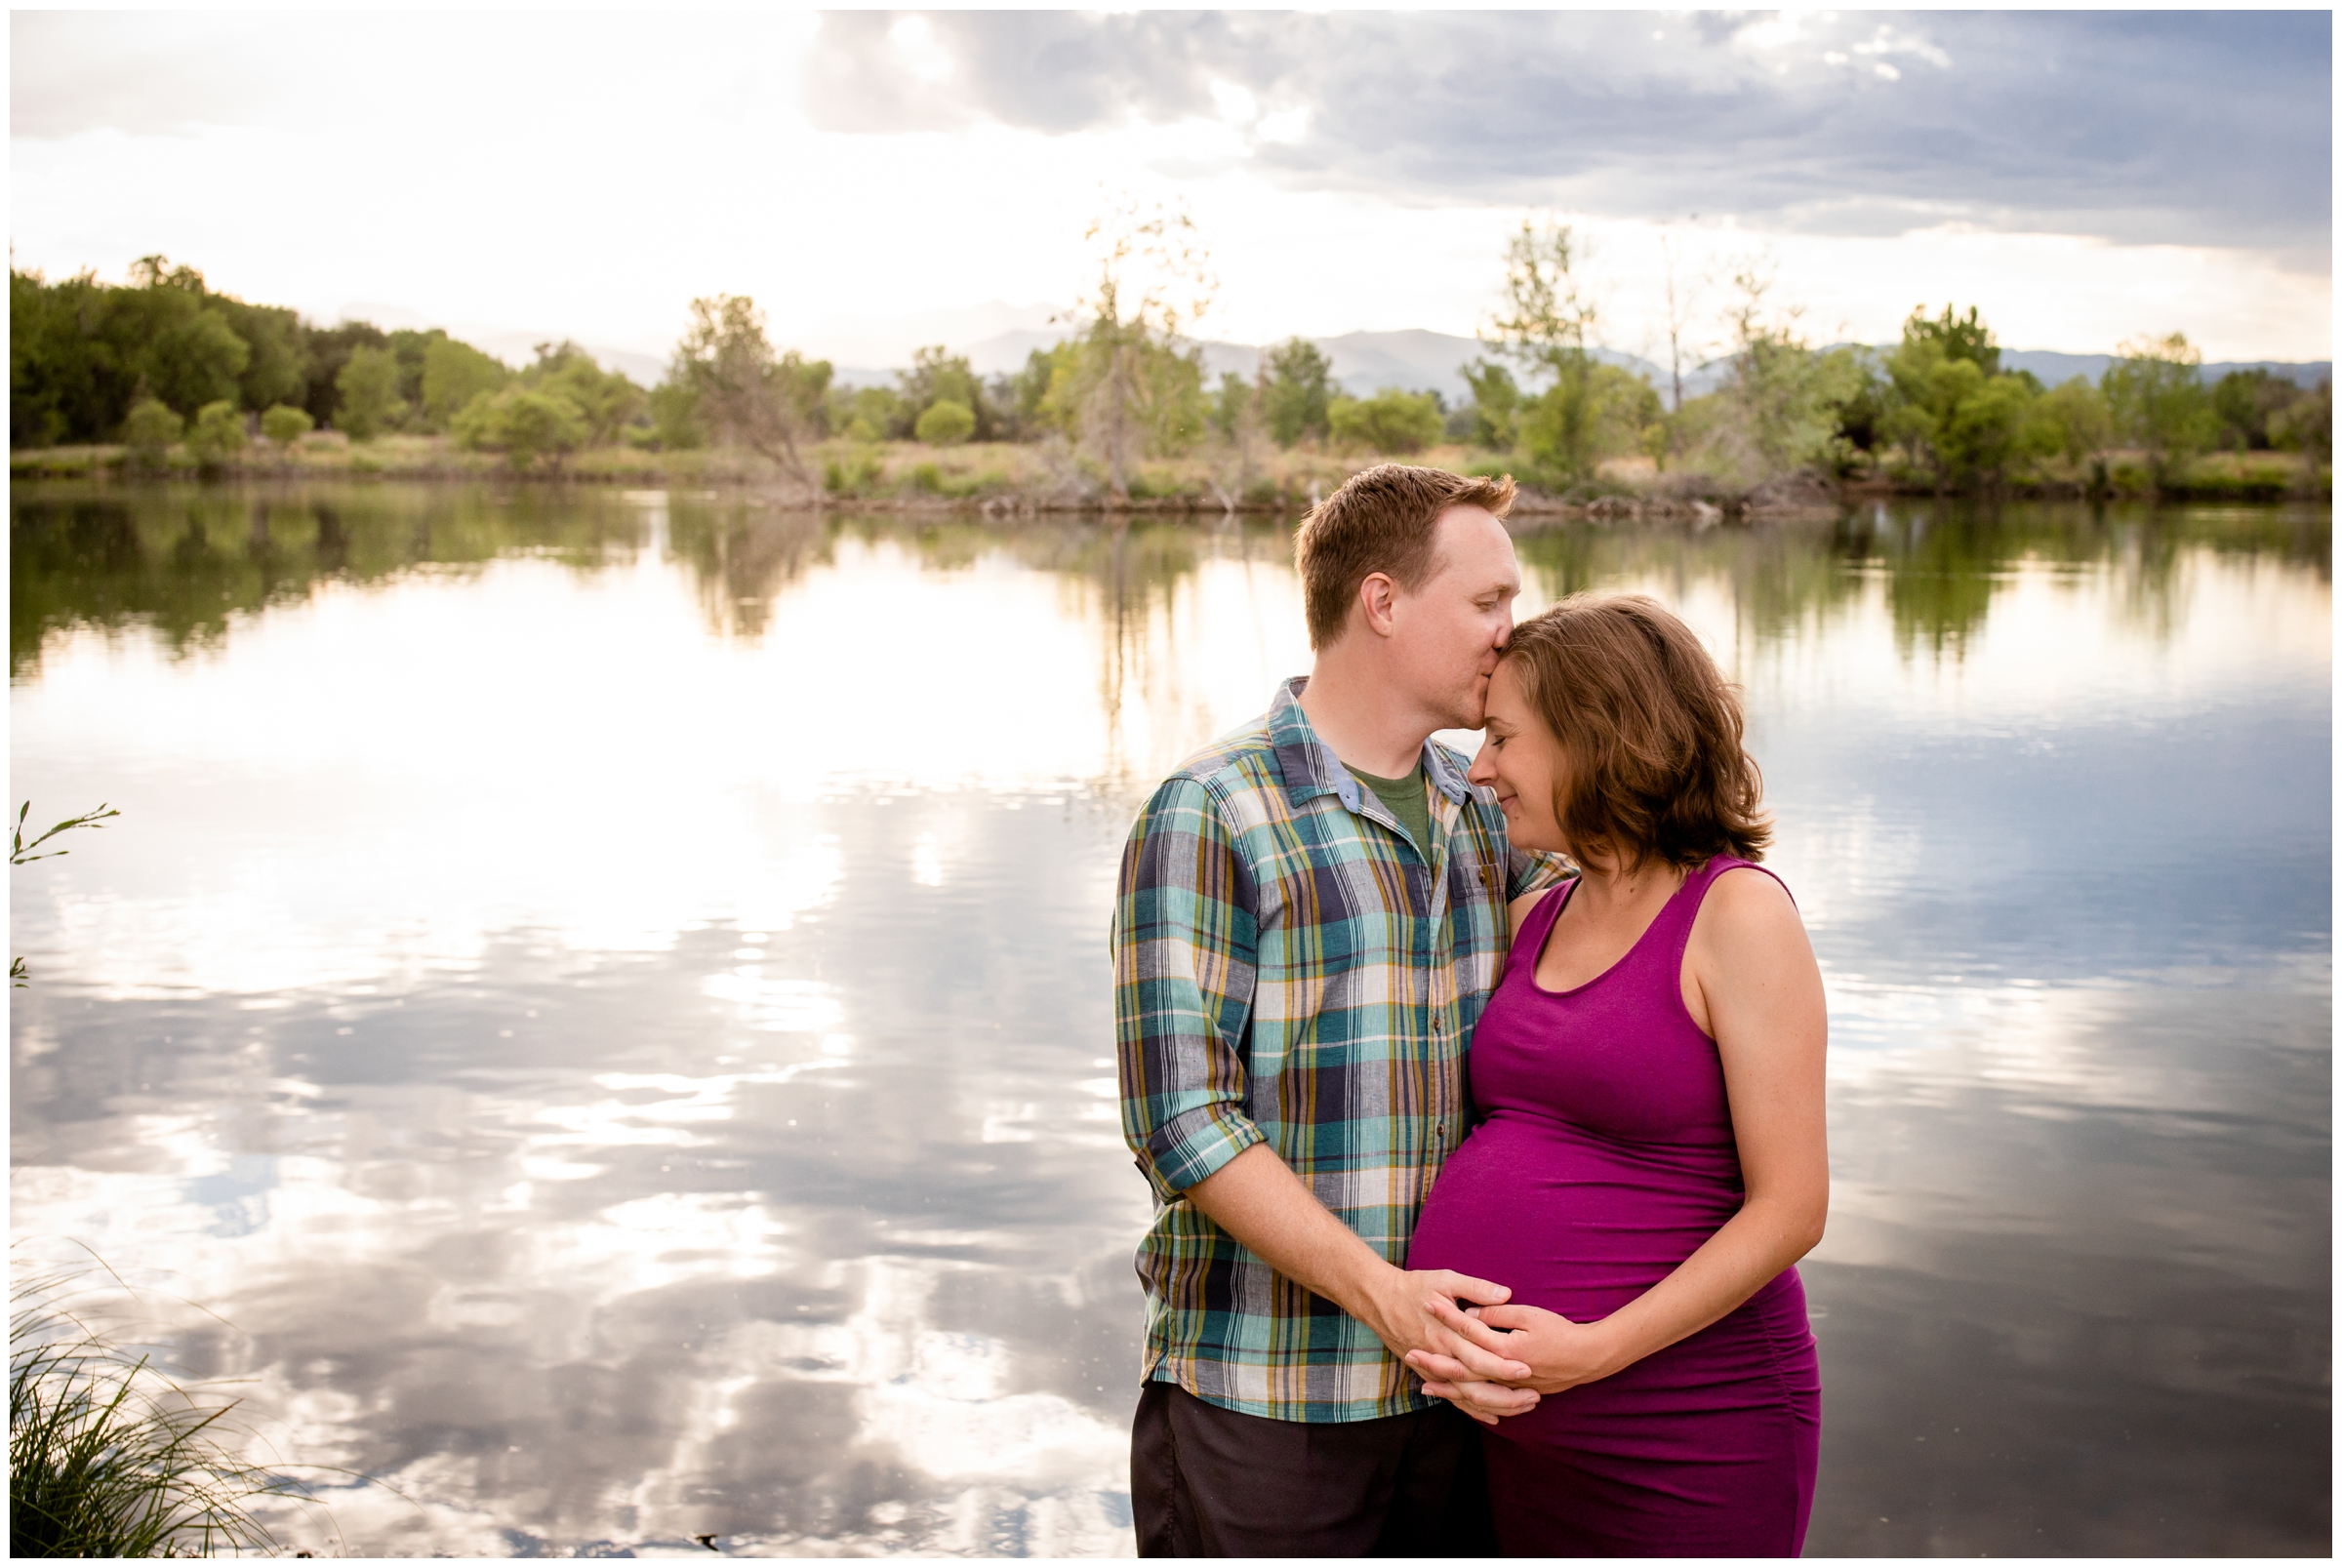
<point x="1309" y="767"/>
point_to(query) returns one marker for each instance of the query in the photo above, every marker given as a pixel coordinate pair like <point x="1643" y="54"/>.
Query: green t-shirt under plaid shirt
<point x="1289" y="970"/>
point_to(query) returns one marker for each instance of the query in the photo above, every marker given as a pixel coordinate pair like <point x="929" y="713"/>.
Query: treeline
<point x="1937" y="411"/>
<point x="165" y="360"/>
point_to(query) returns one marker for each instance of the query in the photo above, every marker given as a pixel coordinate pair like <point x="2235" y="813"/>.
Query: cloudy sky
<point x="880" y="178"/>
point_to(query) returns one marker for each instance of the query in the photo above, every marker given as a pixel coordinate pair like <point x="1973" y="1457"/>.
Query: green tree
<point x="1861" y="413"/>
<point x="1018" y="399"/>
<point x="2078" y="422"/>
<point x="945" y="424"/>
<point x="2306" y="425"/>
<point x="285" y="425"/>
<point x="1238" y="421"/>
<point x="216" y="434"/>
<point x="1787" y="394"/>
<point x="1780" y="409"/>
<point x="276" y="365"/>
<point x="2245" y="400"/>
<point x="1391" y="421"/>
<point x="369" y="400"/>
<point x="409" y="346"/>
<point x="1959" y="337"/>
<point x="328" y="349"/>
<point x="523" y="422"/>
<point x="1590" y="411"/>
<point x="148" y="430"/>
<point x="867" y="414"/>
<point x="1955" y="411"/>
<point x="752" y="396"/>
<point x="1236" y="402"/>
<point x="455" y="372"/>
<point x="1298" y="392"/>
<point x="936" y="375"/>
<point x="2156" y="393"/>
<point x="1992" y="432"/>
<point x="1495" y="405"/>
<point x="66" y="379"/>
<point x="675" y="416"/>
<point x="606" y="398"/>
<point x="175" y="339"/>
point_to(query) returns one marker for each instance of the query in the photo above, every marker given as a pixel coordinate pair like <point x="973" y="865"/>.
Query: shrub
<point x="927" y="479"/>
<point x="856" y="474"/>
<point x="286" y="425"/>
<point x="945" y="424"/>
<point x="1389" y="421"/>
<point x="522" y="423"/>
<point x="217" y="435"/>
<point x="148" y="430"/>
<point x="369" y="386"/>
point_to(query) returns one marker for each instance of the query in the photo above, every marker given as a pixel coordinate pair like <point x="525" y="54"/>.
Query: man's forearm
<point x="1257" y="1200"/>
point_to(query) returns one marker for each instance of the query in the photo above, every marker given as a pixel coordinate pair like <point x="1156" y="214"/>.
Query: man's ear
<point x="1378" y="596"/>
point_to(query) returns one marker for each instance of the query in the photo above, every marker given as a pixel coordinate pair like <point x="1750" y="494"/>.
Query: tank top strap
<point x="1541" y="917"/>
<point x="1673" y="928"/>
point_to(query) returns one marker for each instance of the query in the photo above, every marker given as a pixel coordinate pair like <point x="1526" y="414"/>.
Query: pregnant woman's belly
<point x="1580" y="1225"/>
<point x="1574" y="1223"/>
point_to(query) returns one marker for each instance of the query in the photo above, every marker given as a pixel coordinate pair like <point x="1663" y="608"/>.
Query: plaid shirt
<point x="1289" y="970"/>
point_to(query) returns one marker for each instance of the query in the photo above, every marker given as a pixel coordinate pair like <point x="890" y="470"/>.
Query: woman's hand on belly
<point x="1559" y="1353"/>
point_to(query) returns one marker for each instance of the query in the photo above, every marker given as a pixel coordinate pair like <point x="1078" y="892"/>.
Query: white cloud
<point x="914" y="38"/>
<point x="1238" y="106"/>
<point x="707" y="176"/>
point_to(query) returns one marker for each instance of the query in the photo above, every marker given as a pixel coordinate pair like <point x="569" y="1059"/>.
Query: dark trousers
<point x="1207" y="1482"/>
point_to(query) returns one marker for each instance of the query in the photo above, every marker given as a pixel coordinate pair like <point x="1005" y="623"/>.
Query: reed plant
<point x="109" y="1458"/>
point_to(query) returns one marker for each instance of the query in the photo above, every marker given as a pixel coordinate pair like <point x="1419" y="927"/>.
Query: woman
<point x="1652" y="1161"/>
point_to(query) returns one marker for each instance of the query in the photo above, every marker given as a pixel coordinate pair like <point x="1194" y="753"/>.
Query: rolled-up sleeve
<point x="1531" y="871"/>
<point x="1184" y="941"/>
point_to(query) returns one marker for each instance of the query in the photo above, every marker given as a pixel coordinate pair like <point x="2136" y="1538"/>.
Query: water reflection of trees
<point x="1943" y="563"/>
<point x="185" y="560"/>
<point x="744" y="555"/>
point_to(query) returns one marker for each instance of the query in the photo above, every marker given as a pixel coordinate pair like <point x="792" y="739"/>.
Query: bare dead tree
<point x="759" y="399"/>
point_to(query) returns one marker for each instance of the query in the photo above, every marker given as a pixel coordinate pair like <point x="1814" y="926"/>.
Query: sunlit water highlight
<point x="605" y="997"/>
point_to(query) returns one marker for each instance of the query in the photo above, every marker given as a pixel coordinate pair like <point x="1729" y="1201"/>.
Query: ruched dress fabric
<point x="1607" y="1158"/>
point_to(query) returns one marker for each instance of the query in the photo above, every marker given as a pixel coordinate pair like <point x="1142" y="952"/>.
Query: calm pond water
<point x="605" y="998"/>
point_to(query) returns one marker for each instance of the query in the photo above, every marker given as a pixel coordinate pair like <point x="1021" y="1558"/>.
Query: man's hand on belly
<point x="1257" y="1200"/>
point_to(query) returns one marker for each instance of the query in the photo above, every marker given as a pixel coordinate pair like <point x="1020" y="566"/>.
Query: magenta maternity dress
<point x="1606" y="1159"/>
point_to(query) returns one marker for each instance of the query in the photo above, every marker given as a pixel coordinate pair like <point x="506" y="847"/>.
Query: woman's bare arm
<point x="1751" y="983"/>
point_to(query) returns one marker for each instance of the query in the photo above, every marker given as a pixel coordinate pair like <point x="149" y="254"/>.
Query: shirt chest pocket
<point x="1474" y="879"/>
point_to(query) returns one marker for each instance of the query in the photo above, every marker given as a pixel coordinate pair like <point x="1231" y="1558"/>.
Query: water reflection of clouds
<point x="647" y="1081"/>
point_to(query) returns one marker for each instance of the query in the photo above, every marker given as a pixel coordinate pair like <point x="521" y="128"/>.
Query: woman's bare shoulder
<point x="1746" y="904"/>
<point x="1519" y="910"/>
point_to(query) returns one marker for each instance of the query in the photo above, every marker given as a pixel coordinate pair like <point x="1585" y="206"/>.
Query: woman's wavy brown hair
<point x="1651" y="731"/>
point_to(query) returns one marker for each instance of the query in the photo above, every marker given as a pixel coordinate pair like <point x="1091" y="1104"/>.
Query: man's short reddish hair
<point x="1383" y="519"/>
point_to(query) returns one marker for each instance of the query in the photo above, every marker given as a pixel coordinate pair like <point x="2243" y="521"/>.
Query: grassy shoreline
<point x="997" y="478"/>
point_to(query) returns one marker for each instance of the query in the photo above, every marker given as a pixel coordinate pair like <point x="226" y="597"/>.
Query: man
<point x="1310" y="916"/>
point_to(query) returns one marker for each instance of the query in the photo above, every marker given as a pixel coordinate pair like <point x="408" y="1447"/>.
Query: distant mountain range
<point x="1364" y="362"/>
<point x="999" y="336"/>
<point x="1416" y="361"/>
